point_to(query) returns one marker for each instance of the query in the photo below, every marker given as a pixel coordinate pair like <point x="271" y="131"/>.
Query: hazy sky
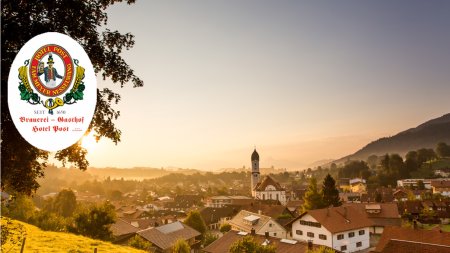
<point x="301" y="80"/>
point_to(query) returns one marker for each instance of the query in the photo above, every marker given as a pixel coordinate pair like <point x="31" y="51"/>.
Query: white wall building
<point x="413" y="182"/>
<point x="269" y="189"/>
<point x="345" y="229"/>
<point x="245" y="221"/>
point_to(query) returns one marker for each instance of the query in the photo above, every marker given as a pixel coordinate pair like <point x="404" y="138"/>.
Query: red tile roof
<point x="165" y="236"/>
<point x="222" y="245"/>
<point x="339" y="219"/>
<point x="398" y="246"/>
<point x="396" y="239"/>
<point x="440" y="183"/>
<point x="267" y="180"/>
<point x="122" y="227"/>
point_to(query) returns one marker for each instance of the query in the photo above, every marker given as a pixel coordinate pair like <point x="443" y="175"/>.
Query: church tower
<point x="255" y="171"/>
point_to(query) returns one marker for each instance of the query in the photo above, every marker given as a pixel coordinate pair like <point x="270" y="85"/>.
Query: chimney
<point x="266" y="234"/>
<point x="253" y="232"/>
<point x="259" y="212"/>
<point x="310" y="245"/>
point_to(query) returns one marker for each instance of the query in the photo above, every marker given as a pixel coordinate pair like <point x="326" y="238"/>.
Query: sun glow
<point x="89" y="141"/>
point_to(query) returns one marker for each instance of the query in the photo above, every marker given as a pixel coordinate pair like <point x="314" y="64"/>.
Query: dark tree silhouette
<point x="330" y="193"/>
<point x="21" y="163"/>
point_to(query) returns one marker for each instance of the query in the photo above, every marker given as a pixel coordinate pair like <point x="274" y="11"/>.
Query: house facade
<point x="245" y="221"/>
<point x="269" y="189"/>
<point x="344" y="229"/>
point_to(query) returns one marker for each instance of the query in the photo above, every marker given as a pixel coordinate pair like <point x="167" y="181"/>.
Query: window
<point x="323" y="237"/>
<point x="358" y="244"/>
<point x="340" y="237"/>
<point x="344" y="248"/>
<point x="310" y="223"/>
<point x="270" y="224"/>
<point x="351" y="234"/>
<point x="274" y="234"/>
<point x="361" y="232"/>
<point x="299" y="232"/>
<point x="310" y="234"/>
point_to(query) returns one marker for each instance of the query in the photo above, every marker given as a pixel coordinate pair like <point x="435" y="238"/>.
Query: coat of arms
<point x="48" y="81"/>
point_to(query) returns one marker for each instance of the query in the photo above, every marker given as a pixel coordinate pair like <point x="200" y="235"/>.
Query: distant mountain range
<point x="426" y="135"/>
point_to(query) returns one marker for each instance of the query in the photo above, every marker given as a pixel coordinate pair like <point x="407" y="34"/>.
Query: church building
<point x="267" y="188"/>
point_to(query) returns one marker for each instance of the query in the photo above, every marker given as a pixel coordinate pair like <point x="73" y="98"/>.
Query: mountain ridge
<point x="425" y="135"/>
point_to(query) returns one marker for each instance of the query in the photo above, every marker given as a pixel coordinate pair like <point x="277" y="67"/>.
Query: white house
<point x="245" y="221"/>
<point x="414" y="182"/>
<point x="345" y="229"/>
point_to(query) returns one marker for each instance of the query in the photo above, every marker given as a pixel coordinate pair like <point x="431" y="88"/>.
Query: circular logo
<point x="52" y="91"/>
<point x="45" y="79"/>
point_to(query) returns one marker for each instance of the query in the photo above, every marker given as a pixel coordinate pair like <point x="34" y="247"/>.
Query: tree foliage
<point x="181" y="246"/>
<point x="354" y="169"/>
<point x="21" y="163"/>
<point x="20" y="207"/>
<point x="321" y="249"/>
<point x="443" y="150"/>
<point x="249" y="245"/>
<point x="225" y="228"/>
<point x="312" y="198"/>
<point x="65" y="203"/>
<point x="195" y="221"/>
<point x="139" y="243"/>
<point x="94" y="221"/>
<point x="330" y="193"/>
<point x="12" y="234"/>
<point x="209" y="238"/>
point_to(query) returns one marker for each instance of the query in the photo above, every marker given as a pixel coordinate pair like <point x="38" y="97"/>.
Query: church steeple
<point x="255" y="156"/>
<point x="255" y="171"/>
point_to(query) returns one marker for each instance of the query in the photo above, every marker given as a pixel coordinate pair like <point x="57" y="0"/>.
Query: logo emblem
<point x="52" y="91"/>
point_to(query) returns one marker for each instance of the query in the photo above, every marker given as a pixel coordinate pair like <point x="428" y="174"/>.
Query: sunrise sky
<point x="301" y="80"/>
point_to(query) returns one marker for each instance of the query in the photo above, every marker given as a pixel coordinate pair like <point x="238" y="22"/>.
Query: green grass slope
<point x="46" y="241"/>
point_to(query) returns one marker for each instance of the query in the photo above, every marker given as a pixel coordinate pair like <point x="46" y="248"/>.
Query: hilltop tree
<point x="248" y="245"/>
<point x="355" y="169"/>
<point x="94" y="222"/>
<point x="443" y="150"/>
<point x="425" y="155"/>
<point x="385" y="163"/>
<point x="65" y="203"/>
<point x="372" y="161"/>
<point x="397" y="166"/>
<point x="411" y="161"/>
<point x="195" y="221"/>
<point x="312" y="198"/>
<point x="329" y="192"/>
<point x="22" y="164"/>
